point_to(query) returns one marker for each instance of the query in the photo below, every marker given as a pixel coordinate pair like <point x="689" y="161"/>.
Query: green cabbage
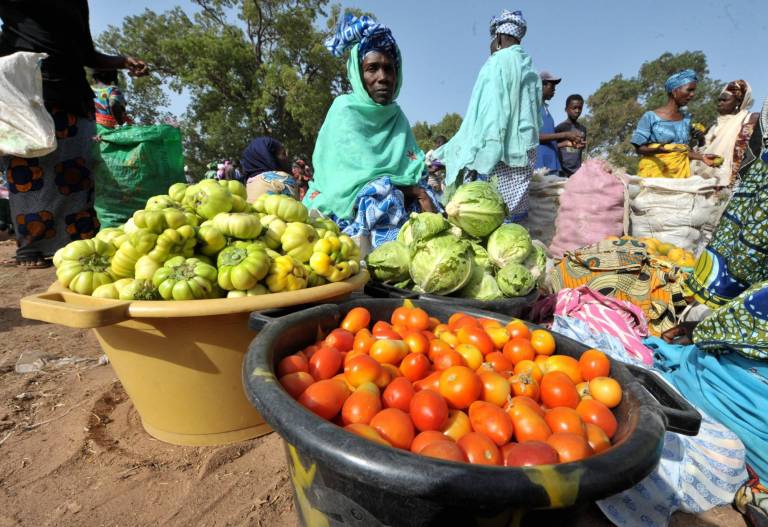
<point x="389" y="262"/>
<point x="427" y="225"/>
<point x="481" y="257"/>
<point x="442" y="264"/>
<point x="404" y="235"/>
<point x="481" y="286"/>
<point x="515" y="280"/>
<point x="510" y="243"/>
<point x="477" y="208"/>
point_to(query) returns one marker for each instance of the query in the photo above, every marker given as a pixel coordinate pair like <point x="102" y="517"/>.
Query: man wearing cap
<point x="547" y="155"/>
<point x="500" y="131"/>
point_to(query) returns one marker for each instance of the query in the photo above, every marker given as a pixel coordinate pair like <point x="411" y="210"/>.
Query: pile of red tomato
<point x="471" y="390"/>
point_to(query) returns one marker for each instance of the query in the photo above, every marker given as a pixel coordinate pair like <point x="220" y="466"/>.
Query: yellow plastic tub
<point x="180" y="362"/>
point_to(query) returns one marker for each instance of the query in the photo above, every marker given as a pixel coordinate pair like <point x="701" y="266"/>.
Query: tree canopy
<point x="250" y="68"/>
<point x="617" y="105"/>
<point x="426" y="133"/>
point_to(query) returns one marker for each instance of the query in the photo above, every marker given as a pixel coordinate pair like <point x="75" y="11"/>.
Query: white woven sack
<point x="543" y="204"/>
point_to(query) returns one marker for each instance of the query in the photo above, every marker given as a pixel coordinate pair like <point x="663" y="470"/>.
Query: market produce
<point x="477" y="208"/>
<point x="515" y="280"/>
<point x="389" y="262"/>
<point x="510" y="243"/>
<point x="453" y="389"/>
<point x="427" y="225"/>
<point x="199" y="241"/>
<point x="665" y="252"/>
<point x="442" y="264"/>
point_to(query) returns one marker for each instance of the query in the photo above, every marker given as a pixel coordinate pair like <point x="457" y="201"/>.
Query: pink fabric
<point x="604" y="314"/>
<point x="591" y="208"/>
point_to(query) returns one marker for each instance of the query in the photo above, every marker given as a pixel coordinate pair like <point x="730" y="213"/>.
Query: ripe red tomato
<point x="464" y="322"/>
<point x="455" y="318"/>
<point x="491" y="421"/>
<point x="543" y="342"/>
<point x="446" y="450"/>
<point x="479" y="449"/>
<point x="395" y="426"/>
<point x="437" y="346"/>
<point x="415" y="366"/>
<point x="524" y="385"/>
<point x="516" y="403"/>
<point x="500" y="363"/>
<point x="518" y="329"/>
<point x="460" y="386"/>
<point x="367" y="432"/>
<point x="529" y="425"/>
<point x="388" y="351"/>
<point x="597" y="438"/>
<point x="364" y="339"/>
<point x="361" y="369"/>
<point x="310" y="350"/>
<point x="594" y="363"/>
<point x="430" y="382"/>
<point x="563" y="419"/>
<point x="325" y="398"/>
<point x="518" y="349"/>
<point x="570" y="447"/>
<point x="595" y="412"/>
<point x="425" y="438"/>
<point x="356" y="319"/>
<point x="292" y="364"/>
<point x="398" y="394"/>
<point x="360" y="407"/>
<point x="416" y="342"/>
<point x="529" y="454"/>
<point x="400" y="316"/>
<point x="496" y="388"/>
<point x="325" y="363"/>
<point x="557" y="389"/>
<point x="418" y="319"/>
<point x="341" y="339"/>
<point x="528" y="367"/>
<point x="606" y="390"/>
<point x="295" y="383"/>
<point x="428" y="410"/>
<point x="445" y="359"/>
<point x="382" y="330"/>
<point x="477" y="337"/>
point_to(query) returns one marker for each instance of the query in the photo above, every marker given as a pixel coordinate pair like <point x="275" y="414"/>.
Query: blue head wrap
<point x="509" y="23"/>
<point x="259" y="156"/>
<point x="681" y="78"/>
<point x="371" y="36"/>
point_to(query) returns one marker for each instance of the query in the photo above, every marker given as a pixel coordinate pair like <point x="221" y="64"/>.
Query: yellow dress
<point x="673" y="163"/>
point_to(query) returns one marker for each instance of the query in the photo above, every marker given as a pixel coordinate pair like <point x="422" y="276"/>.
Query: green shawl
<point x="359" y="142"/>
<point x="503" y="119"/>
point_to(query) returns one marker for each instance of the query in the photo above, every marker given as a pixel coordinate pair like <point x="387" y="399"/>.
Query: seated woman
<point x="368" y="168"/>
<point x="728" y="138"/>
<point x="265" y="167"/>
<point x="663" y="135"/>
<point x="500" y="131"/>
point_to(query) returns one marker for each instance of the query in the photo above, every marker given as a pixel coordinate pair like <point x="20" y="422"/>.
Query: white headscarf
<point x="721" y="139"/>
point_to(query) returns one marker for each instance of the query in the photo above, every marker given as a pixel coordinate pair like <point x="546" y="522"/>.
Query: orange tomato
<point x="433" y="323"/>
<point x="388" y="351"/>
<point x="594" y="363"/>
<point x="361" y="369"/>
<point x="557" y="389"/>
<point x="416" y="342"/>
<point x="367" y="432"/>
<point x="425" y="438"/>
<point x="395" y="426"/>
<point x="525" y="385"/>
<point x="325" y="363"/>
<point x="341" y="339"/>
<point x="428" y="410"/>
<point x="595" y="412"/>
<point x="528" y="454"/>
<point x="356" y="319"/>
<point x="441" y="328"/>
<point x="325" y="398"/>
<point x="401" y="330"/>
<point x="543" y="342"/>
<point x="455" y="317"/>
<point x="479" y="449"/>
<point x="364" y="339"/>
<point x="606" y="390"/>
<point x="487" y="323"/>
<point x="446" y="450"/>
<point x="343" y="379"/>
<point x="518" y="349"/>
<point x="400" y="316"/>
<point x="515" y="404"/>
<point x="360" y="407"/>
<point x="471" y="355"/>
<point x="530" y="368"/>
<point x="458" y="425"/>
<point x="583" y="389"/>
<point x="437" y="346"/>
<point x="310" y="350"/>
<point x="529" y="425"/>
<point x="570" y="447"/>
<point x="393" y="370"/>
<point x="418" y="319"/>
<point x="295" y="383"/>
<point x="564" y="419"/>
<point x="491" y="421"/>
<point x="496" y="388"/>
<point x="518" y="329"/>
<point x="292" y="364"/>
<point x="567" y="365"/>
<point x="430" y="382"/>
<point x="499" y="362"/>
<point x="476" y="337"/>
<point x="383" y="380"/>
<point x="415" y="366"/>
<point x="498" y="335"/>
<point x="398" y="394"/>
<point x="540" y="360"/>
<point x="382" y="330"/>
<point x="597" y="438"/>
<point x="460" y="386"/>
<point x="464" y="322"/>
<point x="449" y="338"/>
<point x="446" y="359"/>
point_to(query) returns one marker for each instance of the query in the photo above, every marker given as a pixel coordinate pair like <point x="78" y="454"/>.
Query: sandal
<point x="34" y="262"/>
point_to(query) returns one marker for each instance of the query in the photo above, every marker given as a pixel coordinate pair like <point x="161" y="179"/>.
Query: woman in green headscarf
<point x="368" y="167"/>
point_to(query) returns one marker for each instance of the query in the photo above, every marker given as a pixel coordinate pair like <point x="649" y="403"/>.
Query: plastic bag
<point x="132" y="164"/>
<point x="26" y="127"/>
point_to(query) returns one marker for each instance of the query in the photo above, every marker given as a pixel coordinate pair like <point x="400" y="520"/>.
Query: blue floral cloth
<point x="371" y="35"/>
<point x="509" y="23"/>
<point x="681" y="78"/>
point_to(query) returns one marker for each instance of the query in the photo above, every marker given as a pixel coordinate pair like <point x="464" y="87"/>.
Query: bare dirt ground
<point x="73" y="452"/>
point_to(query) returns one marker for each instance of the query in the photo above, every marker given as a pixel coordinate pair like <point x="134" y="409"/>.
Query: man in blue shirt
<point x="547" y="155"/>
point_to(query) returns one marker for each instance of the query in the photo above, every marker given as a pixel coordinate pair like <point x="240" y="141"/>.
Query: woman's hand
<point x="136" y="67"/>
<point x="710" y="160"/>
<point x="679" y="334"/>
<point x="420" y="195"/>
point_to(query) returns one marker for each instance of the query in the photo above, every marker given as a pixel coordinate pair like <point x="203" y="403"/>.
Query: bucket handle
<point x="681" y="417"/>
<point x="259" y="319"/>
<point x="73" y="310"/>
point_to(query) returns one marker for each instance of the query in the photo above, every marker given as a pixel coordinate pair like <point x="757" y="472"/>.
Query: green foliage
<point x="249" y="67"/>
<point x="425" y="133"/>
<point x="616" y="107"/>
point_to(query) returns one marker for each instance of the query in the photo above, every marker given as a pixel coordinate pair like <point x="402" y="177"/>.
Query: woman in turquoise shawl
<point x="366" y="160"/>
